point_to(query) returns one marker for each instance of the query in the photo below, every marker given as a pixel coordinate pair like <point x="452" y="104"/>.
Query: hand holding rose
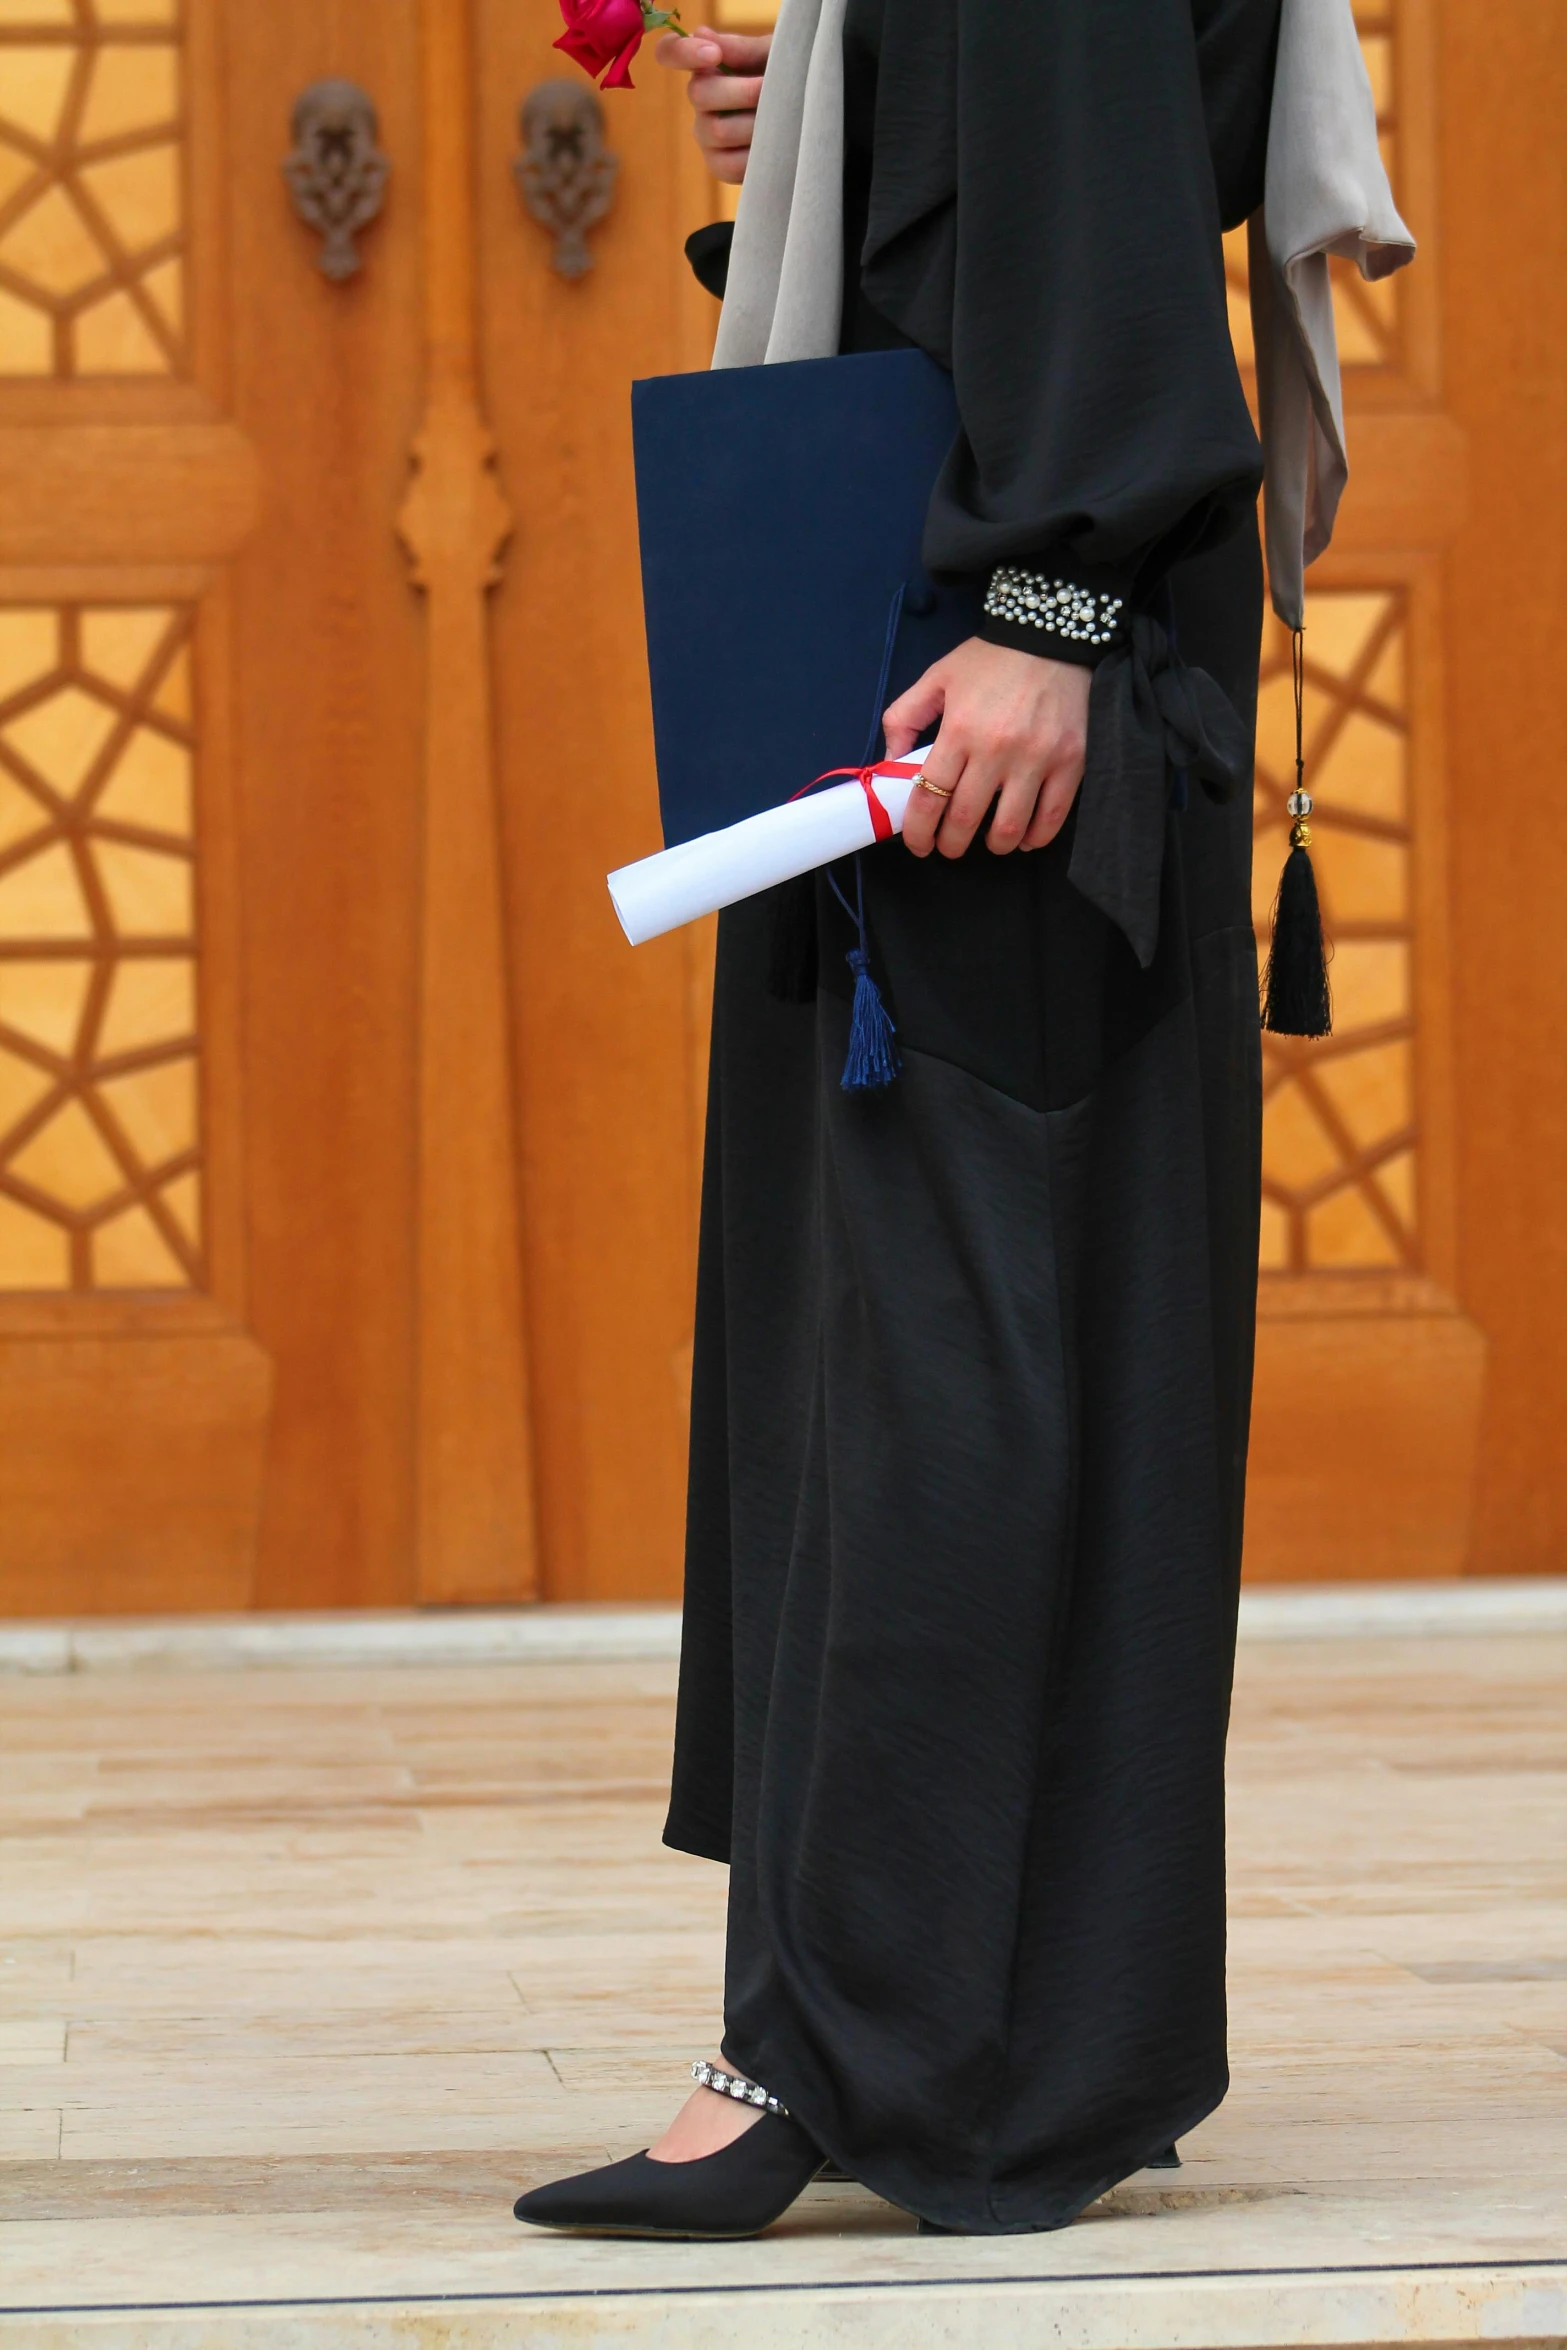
<point x="726" y="82"/>
<point x="603" y="36"/>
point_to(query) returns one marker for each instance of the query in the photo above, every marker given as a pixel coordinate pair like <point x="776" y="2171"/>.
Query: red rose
<point x="603" y="36"/>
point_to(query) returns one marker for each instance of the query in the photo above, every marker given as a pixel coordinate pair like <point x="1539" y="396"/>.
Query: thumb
<point x="906" y="719"/>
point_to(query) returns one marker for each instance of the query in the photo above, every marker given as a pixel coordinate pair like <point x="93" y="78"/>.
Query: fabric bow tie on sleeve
<point x="1147" y="713"/>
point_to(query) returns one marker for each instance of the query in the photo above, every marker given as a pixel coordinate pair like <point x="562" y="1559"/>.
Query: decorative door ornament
<point x="336" y="172"/>
<point x="565" y="173"/>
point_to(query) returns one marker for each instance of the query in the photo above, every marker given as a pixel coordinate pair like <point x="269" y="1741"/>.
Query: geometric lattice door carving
<point x="1339" y="1122"/>
<point x="99" y="1100"/>
<point x="1339" y="1118"/>
<point x="91" y="201"/>
<point x="1363" y="1350"/>
<point x="135" y="1394"/>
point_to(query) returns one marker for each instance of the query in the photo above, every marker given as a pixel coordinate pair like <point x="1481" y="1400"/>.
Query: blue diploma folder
<point x="781" y="511"/>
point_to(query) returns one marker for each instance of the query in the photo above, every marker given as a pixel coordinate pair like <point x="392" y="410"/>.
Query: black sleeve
<point x="707" y="250"/>
<point x="1105" y="432"/>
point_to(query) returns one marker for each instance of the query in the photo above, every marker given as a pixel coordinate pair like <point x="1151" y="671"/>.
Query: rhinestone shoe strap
<point x="725" y="2084"/>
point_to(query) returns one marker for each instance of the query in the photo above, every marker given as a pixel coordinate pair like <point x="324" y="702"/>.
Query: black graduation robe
<point x="973" y="1355"/>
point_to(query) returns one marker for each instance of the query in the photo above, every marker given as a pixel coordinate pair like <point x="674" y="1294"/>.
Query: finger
<point x="723" y="93"/>
<point x="966" y="810"/>
<point x="728" y="162"/>
<point x="741" y="52"/>
<point x="1015" y="808"/>
<point x="724" y="130"/>
<point x="933" y="794"/>
<point x="689" y="52"/>
<point x="922" y="818"/>
<point x="722" y="134"/>
<point x="945" y="763"/>
<point x="1052" y="807"/>
<point x="905" y="720"/>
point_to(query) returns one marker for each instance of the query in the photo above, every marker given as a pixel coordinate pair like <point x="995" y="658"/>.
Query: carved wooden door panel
<point x="347" y="1161"/>
<point x="133" y="1399"/>
<point x="1369" y="1377"/>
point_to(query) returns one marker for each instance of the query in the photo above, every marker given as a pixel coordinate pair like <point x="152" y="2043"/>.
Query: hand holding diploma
<point x="1013" y="728"/>
<point x="1014" y="736"/>
<point x="699" y="876"/>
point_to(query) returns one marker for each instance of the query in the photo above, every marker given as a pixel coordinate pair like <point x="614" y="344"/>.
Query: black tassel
<point x="1297" y="1002"/>
<point x="791" y="962"/>
<point x="1296" y="998"/>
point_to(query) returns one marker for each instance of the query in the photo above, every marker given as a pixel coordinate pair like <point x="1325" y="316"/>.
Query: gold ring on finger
<point x="937" y="791"/>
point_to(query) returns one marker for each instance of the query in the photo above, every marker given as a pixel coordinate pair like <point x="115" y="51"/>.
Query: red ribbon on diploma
<point x="897" y="770"/>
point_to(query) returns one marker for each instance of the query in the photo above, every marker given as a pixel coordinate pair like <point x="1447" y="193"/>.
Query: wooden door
<point x="134" y="1395"/>
<point x="1400" y="1389"/>
<point x="347" y="1158"/>
<point x="1369" y="1373"/>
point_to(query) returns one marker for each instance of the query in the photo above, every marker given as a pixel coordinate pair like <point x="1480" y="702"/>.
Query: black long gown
<point x="973" y="1355"/>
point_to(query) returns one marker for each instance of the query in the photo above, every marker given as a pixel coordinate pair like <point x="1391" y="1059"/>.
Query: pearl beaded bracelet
<point x="1031" y="600"/>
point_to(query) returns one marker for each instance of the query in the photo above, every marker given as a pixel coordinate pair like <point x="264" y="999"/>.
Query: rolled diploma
<point x="716" y="869"/>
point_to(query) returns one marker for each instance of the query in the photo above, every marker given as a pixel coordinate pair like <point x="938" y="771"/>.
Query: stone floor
<point x="305" y="1972"/>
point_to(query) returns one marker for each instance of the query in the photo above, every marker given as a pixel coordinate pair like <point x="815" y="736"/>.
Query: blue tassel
<point x="872" y="1063"/>
<point x="873" y="1057"/>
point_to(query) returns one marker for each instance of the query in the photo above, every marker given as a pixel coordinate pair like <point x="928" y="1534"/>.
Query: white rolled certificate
<point x="716" y="869"/>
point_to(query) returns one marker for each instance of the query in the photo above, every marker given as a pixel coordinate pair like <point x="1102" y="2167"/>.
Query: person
<point x="973" y="1352"/>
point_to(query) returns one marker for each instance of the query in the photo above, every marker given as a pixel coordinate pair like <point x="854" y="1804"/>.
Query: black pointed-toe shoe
<point x="718" y="2198"/>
